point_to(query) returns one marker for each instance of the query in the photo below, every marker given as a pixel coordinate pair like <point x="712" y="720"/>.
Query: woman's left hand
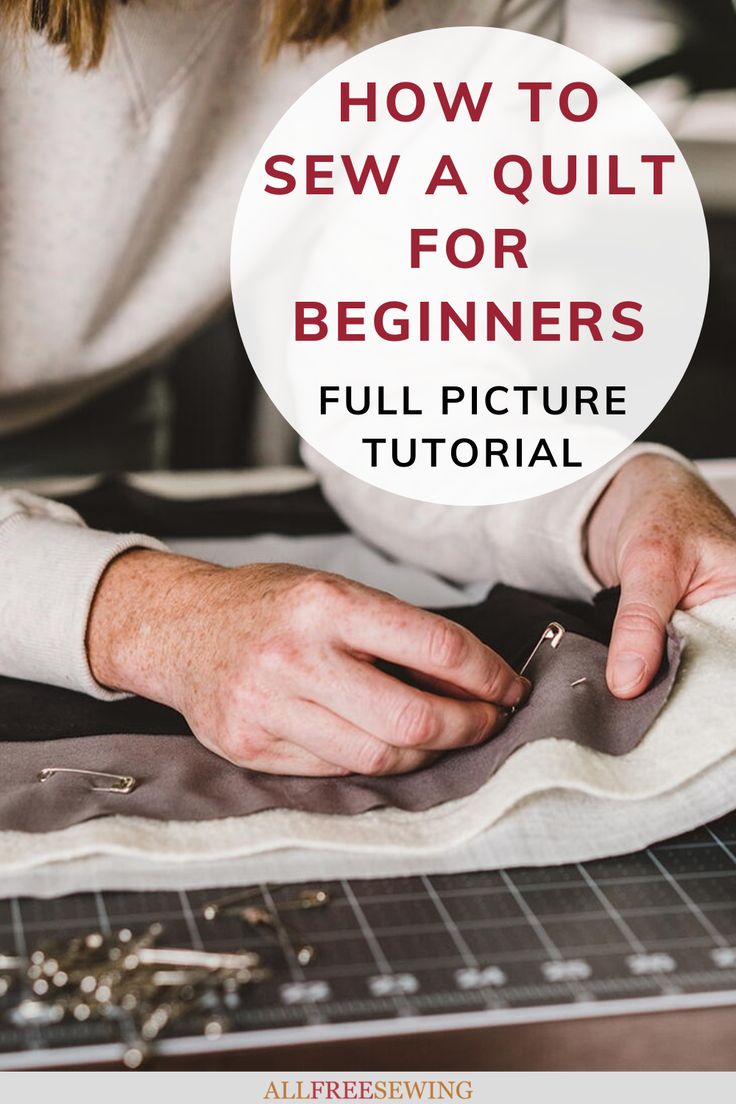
<point x="660" y="533"/>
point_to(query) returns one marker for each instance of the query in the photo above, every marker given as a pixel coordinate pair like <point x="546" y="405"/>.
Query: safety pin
<point x="553" y="633"/>
<point x="214" y="909"/>
<point x="257" y="916"/>
<point x="304" y="900"/>
<point x="11" y="962"/>
<point x="229" y="905"/>
<point x="120" y="784"/>
<point x="190" y="957"/>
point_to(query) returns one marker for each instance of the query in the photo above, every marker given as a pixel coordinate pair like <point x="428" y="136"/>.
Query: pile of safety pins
<point x="143" y="986"/>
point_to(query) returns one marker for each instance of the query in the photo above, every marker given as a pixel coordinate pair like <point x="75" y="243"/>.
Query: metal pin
<point x="306" y="899"/>
<point x="118" y="783"/>
<point x="215" y="908"/>
<point x="135" y="1056"/>
<point x="229" y="905"/>
<point x="11" y="962"/>
<point x="579" y="681"/>
<point x="215" y="1026"/>
<point x="184" y="975"/>
<point x="259" y="916"/>
<point x="553" y="633"/>
<point x="306" y="954"/>
<point x="96" y="977"/>
<point x="208" y="960"/>
<point x="31" y="1011"/>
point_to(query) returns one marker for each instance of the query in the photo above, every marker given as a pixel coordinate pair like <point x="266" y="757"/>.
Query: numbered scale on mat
<point x="645" y="931"/>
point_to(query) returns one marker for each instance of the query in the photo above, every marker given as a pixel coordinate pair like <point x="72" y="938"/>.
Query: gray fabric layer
<point x="180" y="780"/>
<point x="555" y="827"/>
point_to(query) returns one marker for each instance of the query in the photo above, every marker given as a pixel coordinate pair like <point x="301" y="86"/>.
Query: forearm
<point x="537" y="544"/>
<point x="274" y="665"/>
<point x="148" y="614"/>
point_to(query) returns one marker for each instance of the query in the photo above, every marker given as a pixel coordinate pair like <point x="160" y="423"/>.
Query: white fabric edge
<point x="667" y="757"/>
<point x="551" y="829"/>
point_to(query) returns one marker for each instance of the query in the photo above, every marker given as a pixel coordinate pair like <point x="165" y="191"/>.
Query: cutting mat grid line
<point x="659" y="923"/>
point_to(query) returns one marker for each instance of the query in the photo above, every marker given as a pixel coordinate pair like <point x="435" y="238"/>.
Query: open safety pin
<point x="554" y="633"/>
<point x="118" y="783"/>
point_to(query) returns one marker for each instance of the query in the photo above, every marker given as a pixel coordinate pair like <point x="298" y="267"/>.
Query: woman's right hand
<point x="274" y="666"/>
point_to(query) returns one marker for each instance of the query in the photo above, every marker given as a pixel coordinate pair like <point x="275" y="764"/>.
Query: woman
<point x="127" y="132"/>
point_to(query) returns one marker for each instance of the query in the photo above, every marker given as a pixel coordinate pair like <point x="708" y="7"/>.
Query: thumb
<point x="649" y="596"/>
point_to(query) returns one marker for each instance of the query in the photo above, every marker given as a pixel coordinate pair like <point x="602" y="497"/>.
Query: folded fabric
<point x="559" y="826"/>
<point x="693" y="734"/>
<point x="178" y="779"/>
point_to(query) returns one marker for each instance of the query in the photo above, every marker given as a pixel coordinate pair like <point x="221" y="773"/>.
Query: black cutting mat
<point x="653" y="929"/>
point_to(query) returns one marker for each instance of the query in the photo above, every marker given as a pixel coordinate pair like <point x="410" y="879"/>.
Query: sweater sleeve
<point x="50" y="565"/>
<point x="538" y="544"/>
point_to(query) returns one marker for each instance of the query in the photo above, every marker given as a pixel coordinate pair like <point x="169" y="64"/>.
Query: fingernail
<point x="501" y="722"/>
<point x="517" y="695"/>
<point x="524" y="690"/>
<point x="628" y="672"/>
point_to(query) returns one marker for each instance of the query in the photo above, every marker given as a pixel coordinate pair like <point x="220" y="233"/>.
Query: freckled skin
<point x="670" y="543"/>
<point x="274" y="665"/>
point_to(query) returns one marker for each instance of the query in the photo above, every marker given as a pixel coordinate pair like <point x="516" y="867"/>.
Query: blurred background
<point x="680" y="55"/>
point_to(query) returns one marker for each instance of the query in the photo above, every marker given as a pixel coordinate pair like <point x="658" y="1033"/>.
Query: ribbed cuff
<point x="49" y="571"/>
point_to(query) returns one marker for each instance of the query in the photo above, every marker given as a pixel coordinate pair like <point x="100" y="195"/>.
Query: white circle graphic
<point x="469" y="266"/>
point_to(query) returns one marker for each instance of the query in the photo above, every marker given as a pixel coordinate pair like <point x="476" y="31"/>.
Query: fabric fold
<point x="668" y="761"/>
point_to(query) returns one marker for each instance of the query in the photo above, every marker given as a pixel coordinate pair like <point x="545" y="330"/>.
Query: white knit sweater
<point x="118" y="189"/>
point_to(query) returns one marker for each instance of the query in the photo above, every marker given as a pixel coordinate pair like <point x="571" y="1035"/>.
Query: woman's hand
<point x="273" y="666"/>
<point x="670" y="542"/>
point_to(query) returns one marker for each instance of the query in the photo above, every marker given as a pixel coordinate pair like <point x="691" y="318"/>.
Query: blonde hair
<point x="80" y="27"/>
